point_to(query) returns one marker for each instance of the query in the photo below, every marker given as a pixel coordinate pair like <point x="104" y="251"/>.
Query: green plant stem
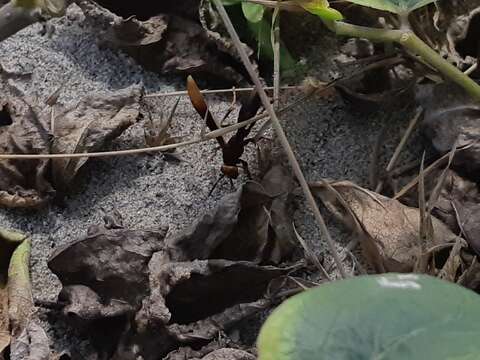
<point x="413" y="43"/>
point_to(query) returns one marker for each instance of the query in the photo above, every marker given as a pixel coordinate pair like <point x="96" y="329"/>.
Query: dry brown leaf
<point x="131" y="294"/>
<point x="392" y="243"/>
<point x="458" y="206"/>
<point x="451" y="119"/>
<point x="111" y="261"/>
<point x="251" y="224"/>
<point x="213" y="351"/>
<point x="89" y="126"/>
<point x="167" y="38"/>
<point x="23" y="183"/>
<point x="31" y="344"/>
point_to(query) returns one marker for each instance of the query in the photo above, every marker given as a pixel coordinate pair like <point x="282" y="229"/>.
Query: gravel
<point x="152" y="190"/>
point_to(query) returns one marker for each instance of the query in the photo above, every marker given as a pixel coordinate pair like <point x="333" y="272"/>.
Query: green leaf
<point x="321" y="8"/>
<point x="390" y="316"/>
<point x="231" y="2"/>
<point x="394" y="6"/>
<point x="16" y="302"/>
<point x="261" y="32"/>
<point x="253" y="12"/>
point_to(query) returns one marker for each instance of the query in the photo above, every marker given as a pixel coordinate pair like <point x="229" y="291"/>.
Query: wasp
<point x="233" y="149"/>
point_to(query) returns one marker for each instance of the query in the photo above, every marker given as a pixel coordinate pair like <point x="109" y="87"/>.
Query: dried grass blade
<point x="310" y="255"/>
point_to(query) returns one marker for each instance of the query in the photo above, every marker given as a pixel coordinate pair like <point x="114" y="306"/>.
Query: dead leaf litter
<point x="142" y="261"/>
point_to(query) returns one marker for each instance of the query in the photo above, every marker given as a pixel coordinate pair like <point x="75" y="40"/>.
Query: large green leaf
<point x="394" y="6"/>
<point x="388" y="317"/>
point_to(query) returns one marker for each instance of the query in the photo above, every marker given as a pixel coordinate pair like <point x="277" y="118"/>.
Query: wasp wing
<point x="248" y="110"/>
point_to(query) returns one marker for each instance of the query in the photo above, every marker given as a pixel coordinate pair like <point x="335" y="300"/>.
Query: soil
<point x="330" y="140"/>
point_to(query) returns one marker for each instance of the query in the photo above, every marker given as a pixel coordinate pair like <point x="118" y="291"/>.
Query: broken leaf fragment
<point x="458" y="205"/>
<point x="89" y="126"/>
<point x="23" y="183"/>
<point x="151" y="297"/>
<point x="375" y="316"/>
<point x="388" y="230"/>
<point x="250" y="224"/>
<point x="86" y="127"/>
<point x="212" y="351"/>
<point x="452" y="118"/>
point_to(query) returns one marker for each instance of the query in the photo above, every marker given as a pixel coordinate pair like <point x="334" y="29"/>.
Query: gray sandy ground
<point x="149" y="190"/>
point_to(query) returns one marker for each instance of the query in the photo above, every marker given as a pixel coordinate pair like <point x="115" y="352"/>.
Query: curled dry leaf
<point x="20" y="337"/>
<point x="388" y="230"/>
<point x="167" y="39"/>
<point x="89" y="126"/>
<point x="452" y="117"/>
<point x="251" y="224"/>
<point x="148" y="296"/>
<point x="86" y="127"/>
<point x="23" y="183"/>
<point x="186" y="292"/>
<point x="110" y="261"/>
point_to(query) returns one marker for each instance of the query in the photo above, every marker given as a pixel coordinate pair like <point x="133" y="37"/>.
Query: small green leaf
<point x="389" y="316"/>
<point x="231" y="2"/>
<point x="261" y="32"/>
<point x="321" y="8"/>
<point x="253" y="12"/>
<point x="394" y="6"/>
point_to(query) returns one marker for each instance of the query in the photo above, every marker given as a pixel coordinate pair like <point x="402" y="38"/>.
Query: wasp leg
<point x="231" y="184"/>
<point x="245" y="168"/>
<point x="215" y="185"/>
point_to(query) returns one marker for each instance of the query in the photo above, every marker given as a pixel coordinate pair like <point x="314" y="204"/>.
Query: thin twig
<point x="310" y="255"/>
<point x="422" y="205"/>
<point x="275" y="39"/>
<point x="220" y="91"/>
<point x="373" y="171"/>
<point x="401" y="145"/>
<point x="471" y="69"/>
<point x="203" y="138"/>
<point x="428" y="170"/>
<point x="435" y="194"/>
<point x="280" y="134"/>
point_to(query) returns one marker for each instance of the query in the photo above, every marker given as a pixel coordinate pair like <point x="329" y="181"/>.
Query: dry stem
<point x="280" y="134"/>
